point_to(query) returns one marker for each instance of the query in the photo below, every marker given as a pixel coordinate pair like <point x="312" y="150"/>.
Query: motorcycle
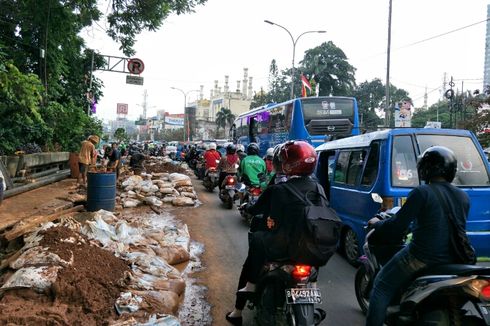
<point x="451" y="294"/>
<point x="228" y="193"/>
<point x="211" y="177"/>
<point x="250" y="195"/>
<point x="286" y="294"/>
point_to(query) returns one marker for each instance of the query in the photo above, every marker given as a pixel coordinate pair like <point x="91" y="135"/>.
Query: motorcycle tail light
<point x="212" y="169"/>
<point x="485" y="292"/>
<point x="300" y="272"/>
<point x="230" y="181"/>
<point x="482" y="287"/>
<point x="256" y="191"/>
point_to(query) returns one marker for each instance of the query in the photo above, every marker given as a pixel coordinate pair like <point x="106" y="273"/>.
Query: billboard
<point x="173" y="121"/>
<point x="403" y="114"/>
<point x="122" y="108"/>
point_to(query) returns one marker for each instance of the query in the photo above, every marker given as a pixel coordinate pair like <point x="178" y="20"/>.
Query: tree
<point x="120" y="135"/>
<point x="331" y="69"/>
<point x="439" y="109"/>
<point x="223" y="117"/>
<point x="370" y="96"/>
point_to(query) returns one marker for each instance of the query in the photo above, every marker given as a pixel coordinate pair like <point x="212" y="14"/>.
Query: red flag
<point x="306" y="84"/>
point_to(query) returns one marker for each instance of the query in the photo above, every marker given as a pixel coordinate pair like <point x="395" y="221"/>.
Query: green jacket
<point x="251" y="166"/>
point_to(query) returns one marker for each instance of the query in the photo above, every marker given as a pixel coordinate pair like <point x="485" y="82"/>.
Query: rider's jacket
<point x="250" y="167"/>
<point x="211" y="156"/>
<point x="430" y="229"/>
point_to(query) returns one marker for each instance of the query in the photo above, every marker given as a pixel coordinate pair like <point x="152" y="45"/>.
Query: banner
<point x="403" y="114"/>
<point x="174" y="121"/>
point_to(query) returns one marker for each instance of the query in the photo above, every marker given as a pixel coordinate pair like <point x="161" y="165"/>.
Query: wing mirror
<point x="376" y="198"/>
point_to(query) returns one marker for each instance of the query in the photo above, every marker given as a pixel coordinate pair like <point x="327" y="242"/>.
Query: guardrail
<point x="30" y="171"/>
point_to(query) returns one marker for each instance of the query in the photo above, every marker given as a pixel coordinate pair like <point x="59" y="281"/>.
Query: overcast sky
<point x="224" y="36"/>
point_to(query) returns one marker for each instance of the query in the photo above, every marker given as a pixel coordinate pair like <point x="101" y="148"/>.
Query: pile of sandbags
<point x="157" y="189"/>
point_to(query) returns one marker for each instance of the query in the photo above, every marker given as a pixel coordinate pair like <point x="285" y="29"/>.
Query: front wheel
<point x="350" y="246"/>
<point x="362" y="286"/>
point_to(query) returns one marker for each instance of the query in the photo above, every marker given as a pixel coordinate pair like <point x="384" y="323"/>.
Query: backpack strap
<point x="298" y="195"/>
<point x="304" y="198"/>
<point x="443" y="203"/>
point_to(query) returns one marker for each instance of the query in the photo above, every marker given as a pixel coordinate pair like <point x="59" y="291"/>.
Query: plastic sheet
<point x="39" y="279"/>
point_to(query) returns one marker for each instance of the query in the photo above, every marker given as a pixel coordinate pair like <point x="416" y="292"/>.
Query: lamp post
<point x="185" y="104"/>
<point x="294" y="48"/>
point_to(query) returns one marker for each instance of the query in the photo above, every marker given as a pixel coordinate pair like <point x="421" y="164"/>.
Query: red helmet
<point x="298" y="158"/>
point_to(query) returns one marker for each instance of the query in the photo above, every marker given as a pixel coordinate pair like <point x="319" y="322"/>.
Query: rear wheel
<point x="362" y="287"/>
<point x="350" y="246"/>
<point x="229" y="203"/>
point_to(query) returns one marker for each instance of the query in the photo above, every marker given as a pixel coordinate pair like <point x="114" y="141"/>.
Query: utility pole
<point x="388" y="53"/>
<point x="425" y="99"/>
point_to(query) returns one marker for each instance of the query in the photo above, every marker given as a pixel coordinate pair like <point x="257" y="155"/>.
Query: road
<point x="224" y="236"/>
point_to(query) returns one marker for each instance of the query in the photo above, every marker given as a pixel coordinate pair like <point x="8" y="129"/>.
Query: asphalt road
<point x="224" y="236"/>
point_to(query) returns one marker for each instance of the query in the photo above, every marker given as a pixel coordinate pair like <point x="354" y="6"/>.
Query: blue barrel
<point x="101" y="191"/>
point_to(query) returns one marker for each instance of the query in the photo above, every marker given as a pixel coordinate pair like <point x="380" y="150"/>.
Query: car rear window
<point x="472" y="170"/>
<point x="403" y="163"/>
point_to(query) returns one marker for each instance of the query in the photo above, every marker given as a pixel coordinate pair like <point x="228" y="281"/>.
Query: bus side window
<point x="341" y="167"/>
<point x="371" y="169"/>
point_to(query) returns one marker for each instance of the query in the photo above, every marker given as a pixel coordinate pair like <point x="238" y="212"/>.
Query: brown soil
<point x="84" y="293"/>
<point x="164" y="167"/>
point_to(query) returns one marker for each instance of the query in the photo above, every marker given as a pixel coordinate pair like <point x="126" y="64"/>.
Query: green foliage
<point x="224" y="117"/>
<point x="20" y="118"/>
<point x="120" y="135"/>
<point x="370" y="96"/>
<point x="331" y="68"/>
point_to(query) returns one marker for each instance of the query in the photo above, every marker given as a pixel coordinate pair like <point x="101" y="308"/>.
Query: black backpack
<point x="316" y="237"/>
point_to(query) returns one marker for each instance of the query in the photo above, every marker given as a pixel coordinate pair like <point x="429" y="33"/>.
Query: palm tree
<point x="223" y="117"/>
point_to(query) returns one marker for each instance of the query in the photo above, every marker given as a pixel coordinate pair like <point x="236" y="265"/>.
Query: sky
<point x="224" y="36"/>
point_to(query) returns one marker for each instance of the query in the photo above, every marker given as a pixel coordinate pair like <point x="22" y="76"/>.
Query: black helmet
<point x="276" y="158"/>
<point x="231" y="149"/>
<point x="437" y="161"/>
<point x="253" y="149"/>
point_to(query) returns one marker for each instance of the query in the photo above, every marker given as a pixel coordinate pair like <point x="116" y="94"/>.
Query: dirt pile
<point x="84" y="292"/>
<point x="155" y="166"/>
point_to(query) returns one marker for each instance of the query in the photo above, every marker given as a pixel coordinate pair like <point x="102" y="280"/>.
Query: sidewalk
<point x="41" y="201"/>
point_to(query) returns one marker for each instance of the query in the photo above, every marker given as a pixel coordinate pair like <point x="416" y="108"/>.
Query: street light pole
<point x="295" y="41"/>
<point x="185" y="105"/>
<point x="388" y="113"/>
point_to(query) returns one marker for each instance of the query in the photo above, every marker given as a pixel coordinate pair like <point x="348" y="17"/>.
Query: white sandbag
<point x="154" y="201"/>
<point x="178" y="177"/>
<point x="183" y="201"/>
<point x="132" y="181"/>
<point x="39" y="256"/>
<point x="165" y="184"/>
<point x="182" y="183"/>
<point x="162" y="301"/>
<point x="172" y="254"/>
<point x="188" y="194"/>
<point x="128" y="303"/>
<point x="106" y="216"/>
<point x="128" y="203"/>
<point x="131" y="194"/>
<point x="39" y="279"/>
<point x="168" y="199"/>
<point x="127" y="234"/>
<point x="167" y="190"/>
<point x="153" y="265"/>
<point x="185" y="189"/>
<point x="139" y="280"/>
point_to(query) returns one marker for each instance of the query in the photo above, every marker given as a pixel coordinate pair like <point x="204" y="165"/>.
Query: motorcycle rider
<point x="240" y="150"/>
<point x="228" y="164"/>
<point x="268" y="159"/>
<point x="280" y="209"/>
<point x="252" y="166"/>
<point x="430" y="243"/>
<point x="211" y="156"/>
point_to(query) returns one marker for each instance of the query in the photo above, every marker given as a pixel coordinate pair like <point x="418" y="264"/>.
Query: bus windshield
<point x="318" y="108"/>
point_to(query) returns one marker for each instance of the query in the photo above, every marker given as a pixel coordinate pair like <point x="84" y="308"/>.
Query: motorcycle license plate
<point x="229" y="187"/>
<point x="303" y="295"/>
<point x="214" y="175"/>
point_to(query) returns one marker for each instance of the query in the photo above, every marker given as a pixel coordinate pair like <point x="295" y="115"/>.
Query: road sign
<point x="140" y="122"/>
<point x="136" y="66"/>
<point x="122" y="108"/>
<point x="134" y="80"/>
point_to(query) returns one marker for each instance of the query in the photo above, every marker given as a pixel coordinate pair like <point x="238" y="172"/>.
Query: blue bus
<point x="385" y="162"/>
<point x="314" y="119"/>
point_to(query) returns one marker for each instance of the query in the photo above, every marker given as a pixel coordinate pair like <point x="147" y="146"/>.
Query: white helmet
<point x="212" y="146"/>
<point x="240" y="147"/>
<point x="270" y="152"/>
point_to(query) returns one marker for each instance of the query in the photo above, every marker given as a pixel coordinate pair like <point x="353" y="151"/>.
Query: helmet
<point x="212" y="146"/>
<point x="253" y="149"/>
<point x="276" y="159"/>
<point x="231" y="149"/>
<point x="270" y="153"/>
<point x="298" y="158"/>
<point x="437" y="161"/>
<point x="240" y="147"/>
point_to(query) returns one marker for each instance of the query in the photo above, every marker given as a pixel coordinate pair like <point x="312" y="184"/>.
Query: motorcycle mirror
<point x="376" y="198"/>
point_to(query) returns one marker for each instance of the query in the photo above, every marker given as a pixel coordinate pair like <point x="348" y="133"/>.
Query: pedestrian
<point x="115" y="160"/>
<point x="86" y="157"/>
